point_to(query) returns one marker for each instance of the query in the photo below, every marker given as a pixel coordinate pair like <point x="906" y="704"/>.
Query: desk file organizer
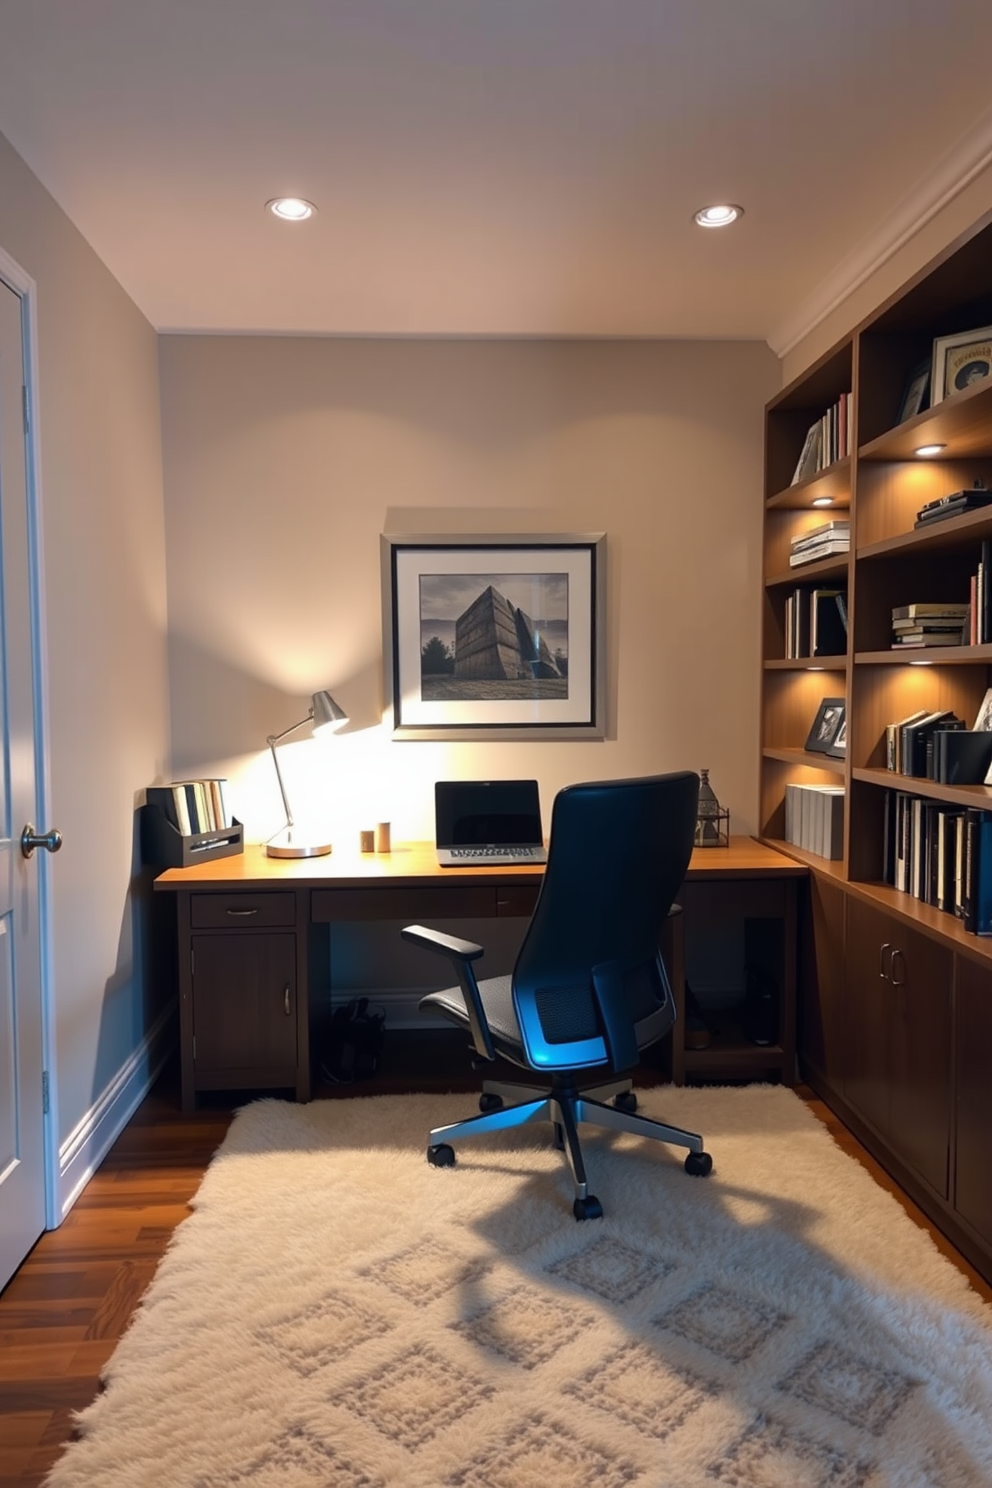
<point x="164" y="846"/>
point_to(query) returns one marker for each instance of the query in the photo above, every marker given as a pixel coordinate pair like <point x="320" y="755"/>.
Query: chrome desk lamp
<point x="286" y="843"/>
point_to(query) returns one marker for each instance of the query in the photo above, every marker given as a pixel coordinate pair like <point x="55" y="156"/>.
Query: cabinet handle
<point x="902" y="961"/>
<point x="285" y="1002"/>
<point x="243" y="911"/>
<point x="885" y="975"/>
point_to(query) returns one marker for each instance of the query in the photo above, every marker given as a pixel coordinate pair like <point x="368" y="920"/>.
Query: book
<point x="826" y="549"/>
<point x="977" y="894"/>
<point x="938" y="638"/>
<point x="893" y="738"/>
<point x="914" y="740"/>
<point x="808" y="460"/>
<point x="827" y="632"/>
<point x="815" y="534"/>
<point x="949" y="610"/>
<point x="961" y="756"/>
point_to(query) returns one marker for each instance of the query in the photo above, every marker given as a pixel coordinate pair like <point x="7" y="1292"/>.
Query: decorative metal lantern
<point x="712" y="819"/>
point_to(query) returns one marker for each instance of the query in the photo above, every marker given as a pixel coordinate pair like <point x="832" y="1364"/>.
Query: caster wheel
<point x="441" y="1156"/>
<point x="625" y="1101"/>
<point x="490" y="1102"/>
<point x="588" y="1208"/>
<point x="699" y="1164"/>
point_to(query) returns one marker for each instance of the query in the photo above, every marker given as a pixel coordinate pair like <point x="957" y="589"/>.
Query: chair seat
<point x="497" y="999"/>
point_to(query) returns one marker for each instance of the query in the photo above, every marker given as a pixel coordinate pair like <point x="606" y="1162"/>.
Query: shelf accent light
<point x="286" y="843"/>
<point x="927" y="451"/>
<point x="822" y="501"/>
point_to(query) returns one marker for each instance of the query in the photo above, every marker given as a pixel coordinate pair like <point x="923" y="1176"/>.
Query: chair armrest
<point x="461" y="954"/>
<point x="446" y="945"/>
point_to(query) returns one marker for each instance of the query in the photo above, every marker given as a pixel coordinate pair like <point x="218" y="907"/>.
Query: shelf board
<point x="827" y="568"/>
<point x="947" y="927"/>
<point x="812" y="759"/>
<point x="960" y="532"/>
<point x="807" y="664"/>
<point x="834" y="481"/>
<point x="926" y="656"/>
<point x="956" y="795"/>
<point x="962" y="423"/>
<point x="830" y="867"/>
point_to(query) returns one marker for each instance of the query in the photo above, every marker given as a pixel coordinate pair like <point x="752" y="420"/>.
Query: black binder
<point x="961" y="756"/>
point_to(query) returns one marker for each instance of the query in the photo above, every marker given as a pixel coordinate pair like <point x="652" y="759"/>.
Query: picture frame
<point x="838" y="745"/>
<point x="959" y="361"/>
<point x="916" y="394"/>
<point x="494" y="636"/>
<point x="830" y="716"/>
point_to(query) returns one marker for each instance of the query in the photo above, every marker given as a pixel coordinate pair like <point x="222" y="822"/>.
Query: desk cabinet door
<point x="244" y="1004"/>
<point x="899" y="1032"/>
<point x="973" y="1178"/>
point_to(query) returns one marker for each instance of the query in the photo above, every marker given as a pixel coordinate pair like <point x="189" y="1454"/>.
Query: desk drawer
<point x="241" y="911"/>
<point x="518" y="900"/>
<point x="415" y="905"/>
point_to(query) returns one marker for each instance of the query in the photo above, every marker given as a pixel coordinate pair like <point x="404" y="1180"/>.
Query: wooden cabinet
<point x="894" y="1011"/>
<point x="243" y="993"/>
<point x="898" y="1077"/>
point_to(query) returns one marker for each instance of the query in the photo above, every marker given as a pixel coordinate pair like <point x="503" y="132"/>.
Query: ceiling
<point x="496" y="167"/>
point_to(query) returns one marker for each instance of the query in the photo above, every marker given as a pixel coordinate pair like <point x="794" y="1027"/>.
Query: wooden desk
<point x="245" y="924"/>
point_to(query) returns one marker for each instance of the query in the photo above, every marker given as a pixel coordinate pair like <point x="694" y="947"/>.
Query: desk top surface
<point x="415" y="863"/>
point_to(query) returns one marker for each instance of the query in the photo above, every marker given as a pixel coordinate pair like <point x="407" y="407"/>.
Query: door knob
<point x="30" y="839"/>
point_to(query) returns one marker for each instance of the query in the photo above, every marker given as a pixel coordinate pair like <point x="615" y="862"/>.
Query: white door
<point x="22" y="1102"/>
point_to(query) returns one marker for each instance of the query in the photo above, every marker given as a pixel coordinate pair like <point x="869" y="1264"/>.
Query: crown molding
<point x="955" y="170"/>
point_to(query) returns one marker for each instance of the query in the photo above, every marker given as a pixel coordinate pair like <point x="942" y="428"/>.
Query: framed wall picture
<point x="959" y="361"/>
<point x="916" y="394"/>
<point x="488" y="637"/>
<point x="826" y="725"/>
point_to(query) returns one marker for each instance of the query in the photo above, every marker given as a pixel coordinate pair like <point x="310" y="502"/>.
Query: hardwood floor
<point x="64" y="1310"/>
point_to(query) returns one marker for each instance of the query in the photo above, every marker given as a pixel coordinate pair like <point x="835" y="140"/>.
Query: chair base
<point x="566" y="1107"/>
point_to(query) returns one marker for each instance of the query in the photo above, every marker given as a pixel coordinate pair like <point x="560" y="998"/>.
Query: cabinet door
<point x="244" y="1004"/>
<point x="899" y="1025"/>
<point x="822" y="1039"/>
<point x="973" y="1167"/>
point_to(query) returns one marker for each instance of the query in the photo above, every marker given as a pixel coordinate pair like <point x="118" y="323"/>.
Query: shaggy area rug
<point x="337" y="1314"/>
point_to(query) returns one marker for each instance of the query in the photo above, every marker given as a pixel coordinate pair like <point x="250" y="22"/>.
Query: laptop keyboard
<point x="487" y="854"/>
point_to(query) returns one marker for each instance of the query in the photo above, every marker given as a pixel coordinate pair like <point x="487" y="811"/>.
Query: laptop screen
<point x="472" y="813"/>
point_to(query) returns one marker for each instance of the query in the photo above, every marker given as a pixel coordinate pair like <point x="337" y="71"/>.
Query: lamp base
<point x="286" y="844"/>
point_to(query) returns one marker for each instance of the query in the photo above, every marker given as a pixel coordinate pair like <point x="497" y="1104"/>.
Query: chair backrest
<point x="589" y="972"/>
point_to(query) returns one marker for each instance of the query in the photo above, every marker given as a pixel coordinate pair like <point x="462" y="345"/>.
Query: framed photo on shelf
<point x="838" y="746"/>
<point x="959" y="361"/>
<point x="916" y="393"/>
<point x="827" y="724"/>
<point x="494" y="637"/>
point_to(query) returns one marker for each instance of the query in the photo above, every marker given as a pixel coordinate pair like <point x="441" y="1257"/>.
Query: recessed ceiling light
<point x="822" y="501"/>
<point x="720" y="216"/>
<point x="291" y="208"/>
<point x="929" y="449"/>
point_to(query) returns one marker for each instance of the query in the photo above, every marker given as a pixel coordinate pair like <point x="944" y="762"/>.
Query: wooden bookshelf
<point x="895" y="1026"/>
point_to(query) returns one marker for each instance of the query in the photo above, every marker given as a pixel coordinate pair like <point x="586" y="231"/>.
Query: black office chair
<point x="589" y="989"/>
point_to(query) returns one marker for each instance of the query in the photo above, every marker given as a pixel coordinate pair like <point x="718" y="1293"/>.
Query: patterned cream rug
<point x="337" y="1314"/>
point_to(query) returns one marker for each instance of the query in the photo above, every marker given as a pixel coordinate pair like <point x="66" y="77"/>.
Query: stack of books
<point x="821" y="542"/>
<point x="930" y="625"/>
<point x="949" y="506"/>
<point x="814" y="819"/>
<point x="192" y="806"/>
<point x="827" y="441"/>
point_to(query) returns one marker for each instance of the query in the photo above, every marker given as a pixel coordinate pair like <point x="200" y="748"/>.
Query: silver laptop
<point x="480" y="822"/>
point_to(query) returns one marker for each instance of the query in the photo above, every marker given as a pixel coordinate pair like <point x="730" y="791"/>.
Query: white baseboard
<point x="84" y="1149"/>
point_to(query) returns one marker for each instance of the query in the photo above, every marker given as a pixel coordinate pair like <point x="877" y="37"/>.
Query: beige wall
<point x="104" y="580"/>
<point x="941" y="230"/>
<point x="284" y="461"/>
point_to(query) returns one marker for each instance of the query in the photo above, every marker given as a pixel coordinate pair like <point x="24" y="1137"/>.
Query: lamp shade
<point x="326" y="712"/>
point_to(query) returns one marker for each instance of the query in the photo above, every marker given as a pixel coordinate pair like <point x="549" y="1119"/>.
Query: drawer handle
<point x="285" y="1002"/>
<point x="243" y="911"/>
<point x="902" y="961"/>
<point x="885" y="975"/>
